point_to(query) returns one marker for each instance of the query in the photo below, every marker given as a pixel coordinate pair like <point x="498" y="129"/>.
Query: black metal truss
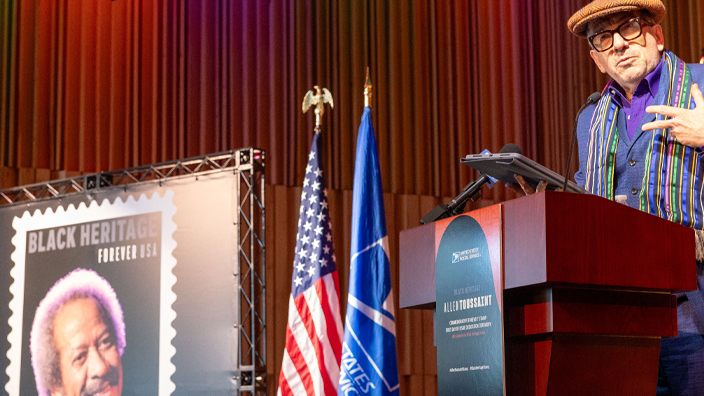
<point x="252" y="378"/>
<point x="194" y="166"/>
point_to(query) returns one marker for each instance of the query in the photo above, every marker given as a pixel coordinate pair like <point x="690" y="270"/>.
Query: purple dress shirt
<point x="642" y="98"/>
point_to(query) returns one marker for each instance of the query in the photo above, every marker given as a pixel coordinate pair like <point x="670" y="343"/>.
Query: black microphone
<point x="456" y="206"/>
<point x="593" y="98"/>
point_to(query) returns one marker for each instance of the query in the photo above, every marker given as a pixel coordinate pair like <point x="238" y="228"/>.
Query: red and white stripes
<point x="311" y="364"/>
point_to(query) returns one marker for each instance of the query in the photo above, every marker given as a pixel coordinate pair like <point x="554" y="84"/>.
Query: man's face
<point x="628" y="62"/>
<point x="89" y="360"/>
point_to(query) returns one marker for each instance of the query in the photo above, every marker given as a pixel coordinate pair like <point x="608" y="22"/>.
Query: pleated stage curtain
<point x="93" y="85"/>
<point x="96" y="85"/>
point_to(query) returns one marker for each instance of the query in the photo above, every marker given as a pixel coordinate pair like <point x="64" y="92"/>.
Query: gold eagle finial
<point x="317" y="99"/>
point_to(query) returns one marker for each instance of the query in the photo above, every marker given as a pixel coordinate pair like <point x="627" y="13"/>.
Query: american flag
<point x="311" y="364"/>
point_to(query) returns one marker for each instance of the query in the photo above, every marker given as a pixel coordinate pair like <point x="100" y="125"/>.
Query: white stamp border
<point x="83" y="214"/>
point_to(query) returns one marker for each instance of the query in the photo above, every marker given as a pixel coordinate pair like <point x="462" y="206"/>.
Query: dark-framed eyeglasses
<point x="629" y="30"/>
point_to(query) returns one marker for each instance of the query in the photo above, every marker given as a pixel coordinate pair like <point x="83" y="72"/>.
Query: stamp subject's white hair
<point x="79" y="283"/>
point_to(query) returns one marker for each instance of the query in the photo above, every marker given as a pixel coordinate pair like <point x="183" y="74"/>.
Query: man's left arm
<point x="686" y="125"/>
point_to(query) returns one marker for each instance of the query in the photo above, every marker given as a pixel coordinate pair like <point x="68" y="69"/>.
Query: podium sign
<point x="468" y="311"/>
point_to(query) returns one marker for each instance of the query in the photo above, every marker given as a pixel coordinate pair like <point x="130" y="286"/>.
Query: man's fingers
<point x="527" y="189"/>
<point x="697" y="95"/>
<point x="662" y="124"/>
<point x="541" y="186"/>
<point x="516" y="188"/>
<point x="664" y="110"/>
<point x="524" y="185"/>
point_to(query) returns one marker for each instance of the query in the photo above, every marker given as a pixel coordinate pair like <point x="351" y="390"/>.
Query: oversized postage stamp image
<point x="92" y="299"/>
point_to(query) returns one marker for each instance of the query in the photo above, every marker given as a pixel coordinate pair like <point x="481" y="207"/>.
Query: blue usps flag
<point x="368" y="365"/>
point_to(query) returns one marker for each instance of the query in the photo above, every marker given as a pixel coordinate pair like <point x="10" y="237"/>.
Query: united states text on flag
<point x="311" y="364"/>
<point x="369" y="364"/>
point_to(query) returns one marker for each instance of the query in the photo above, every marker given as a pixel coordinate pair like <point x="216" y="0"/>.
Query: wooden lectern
<point x="587" y="292"/>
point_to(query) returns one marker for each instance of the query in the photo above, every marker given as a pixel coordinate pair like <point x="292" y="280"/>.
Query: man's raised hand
<point x="686" y="125"/>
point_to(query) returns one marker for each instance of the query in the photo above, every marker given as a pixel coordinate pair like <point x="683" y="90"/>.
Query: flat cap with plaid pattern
<point x="598" y="9"/>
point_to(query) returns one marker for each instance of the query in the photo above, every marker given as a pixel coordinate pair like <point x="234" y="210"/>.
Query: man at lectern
<point x="642" y="142"/>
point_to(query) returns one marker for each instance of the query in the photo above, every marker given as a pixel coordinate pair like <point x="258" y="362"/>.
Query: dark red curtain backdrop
<point x="92" y="85"/>
<point x="95" y="85"/>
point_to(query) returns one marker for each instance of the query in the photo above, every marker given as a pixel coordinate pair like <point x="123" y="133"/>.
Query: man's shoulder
<point x="697" y="72"/>
<point x="585" y="119"/>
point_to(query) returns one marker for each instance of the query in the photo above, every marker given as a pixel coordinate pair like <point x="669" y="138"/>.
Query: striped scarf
<point x="672" y="182"/>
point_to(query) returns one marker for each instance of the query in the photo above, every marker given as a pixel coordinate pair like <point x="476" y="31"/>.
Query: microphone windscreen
<point x="511" y="148"/>
<point x="593" y="98"/>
